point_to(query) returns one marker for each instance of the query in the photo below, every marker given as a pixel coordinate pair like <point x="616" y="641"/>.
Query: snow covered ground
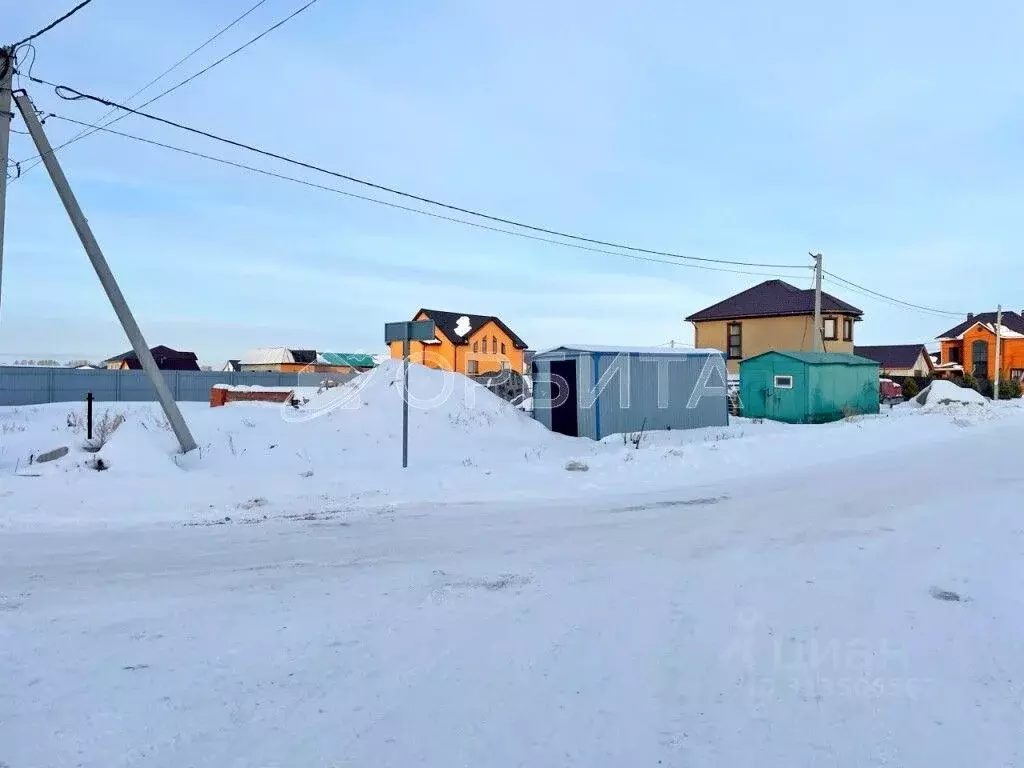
<point x="341" y="455"/>
<point x="760" y="595"/>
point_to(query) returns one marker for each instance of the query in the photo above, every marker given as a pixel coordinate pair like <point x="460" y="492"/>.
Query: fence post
<point x="88" y="415"/>
<point x="117" y="386"/>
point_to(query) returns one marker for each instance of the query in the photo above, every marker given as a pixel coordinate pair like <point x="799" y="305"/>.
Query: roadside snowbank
<point x="941" y="392"/>
<point x="340" y="453"/>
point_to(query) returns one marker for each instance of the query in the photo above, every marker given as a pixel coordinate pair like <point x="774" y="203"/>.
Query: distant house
<point x="344" y="362"/>
<point x="232" y="366"/>
<point x="278" y="360"/>
<point x="167" y="359"/>
<point x="773" y="315"/>
<point x="971" y="346"/>
<point x="464" y="343"/>
<point x="899" y="360"/>
<point x="285" y="360"/>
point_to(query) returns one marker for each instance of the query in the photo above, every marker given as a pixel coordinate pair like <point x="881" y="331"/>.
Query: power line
<point x="77" y="95"/>
<point x="190" y="78"/>
<point x="162" y="75"/>
<point x="398" y="206"/>
<point x="54" y="23"/>
<point x="893" y="299"/>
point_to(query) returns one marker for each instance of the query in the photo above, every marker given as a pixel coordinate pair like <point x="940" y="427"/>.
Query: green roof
<point x="348" y="358"/>
<point x="818" y="358"/>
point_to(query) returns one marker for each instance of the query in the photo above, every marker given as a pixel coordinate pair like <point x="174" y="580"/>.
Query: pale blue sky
<point x="885" y="135"/>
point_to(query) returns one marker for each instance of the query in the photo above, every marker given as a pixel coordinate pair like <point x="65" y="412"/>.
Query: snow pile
<point x="340" y="452"/>
<point x="941" y="392"/>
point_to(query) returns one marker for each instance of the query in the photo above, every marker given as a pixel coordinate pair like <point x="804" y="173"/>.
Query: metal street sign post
<point x="417" y="330"/>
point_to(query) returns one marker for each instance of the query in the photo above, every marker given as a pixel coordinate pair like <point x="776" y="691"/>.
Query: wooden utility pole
<point x="819" y="343"/>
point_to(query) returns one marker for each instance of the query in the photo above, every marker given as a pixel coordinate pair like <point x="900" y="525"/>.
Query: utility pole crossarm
<point x="99" y="263"/>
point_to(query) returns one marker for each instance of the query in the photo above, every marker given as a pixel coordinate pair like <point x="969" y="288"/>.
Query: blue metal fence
<point x="34" y="386"/>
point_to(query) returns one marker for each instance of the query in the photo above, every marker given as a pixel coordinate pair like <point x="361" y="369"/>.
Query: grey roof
<point x="773" y="298"/>
<point x="446" y="323"/>
<point x="816" y="358"/>
<point x="1012" y="320"/>
<point x="893" y="355"/>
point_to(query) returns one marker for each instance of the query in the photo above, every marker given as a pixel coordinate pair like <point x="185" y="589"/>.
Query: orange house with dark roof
<point x="971" y="347"/>
<point x="464" y="343"/>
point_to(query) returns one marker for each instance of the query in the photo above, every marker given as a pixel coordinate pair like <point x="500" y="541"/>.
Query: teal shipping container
<point x="808" y="387"/>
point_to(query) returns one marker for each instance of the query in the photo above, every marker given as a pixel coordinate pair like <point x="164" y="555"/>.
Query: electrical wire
<point x="84" y="134"/>
<point x="62" y="90"/>
<point x="854" y="286"/>
<point x="54" y="23"/>
<point x="398" y="206"/>
<point x="162" y="75"/>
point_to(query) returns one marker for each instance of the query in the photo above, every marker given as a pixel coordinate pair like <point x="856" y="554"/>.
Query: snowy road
<point x="782" y="622"/>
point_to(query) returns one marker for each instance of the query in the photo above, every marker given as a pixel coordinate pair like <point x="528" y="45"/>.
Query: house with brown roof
<point x="464" y="343"/>
<point x="773" y="316"/>
<point x="899" y="360"/>
<point x="167" y="359"/>
<point x="971" y="346"/>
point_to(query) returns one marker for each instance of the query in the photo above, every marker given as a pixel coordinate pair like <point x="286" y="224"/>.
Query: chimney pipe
<point x="970" y="315"/>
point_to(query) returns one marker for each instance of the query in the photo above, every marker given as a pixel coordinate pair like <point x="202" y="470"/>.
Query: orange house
<point x="468" y="344"/>
<point x="972" y="345"/>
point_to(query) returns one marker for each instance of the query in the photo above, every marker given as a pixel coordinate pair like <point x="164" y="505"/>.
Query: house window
<point x="472" y="366"/>
<point x="476" y="347"/>
<point x="847" y="329"/>
<point x="494" y="345"/>
<point x="783" y="382"/>
<point x="830" y="329"/>
<point x="954" y="355"/>
<point x="735" y="332"/>
<point x="979" y="359"/>
<point x="485" y="345"/>
<point x="1017" y="374"/>
<point x="503" y="347"/>
<point x="505" y="365"/>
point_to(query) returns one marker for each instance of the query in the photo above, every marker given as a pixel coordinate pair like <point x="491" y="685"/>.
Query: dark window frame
<point x="977" y="361"/>
<point x="847" y="329"/>
<point x="476" y="347"/>
<point x="503" y="347"/>
<point x="738" y="327"/>
<point x="955" y="354"/>
<point x="485" y="345"/>
<point x="472" y="366"/>
<point x="834" y="336"/>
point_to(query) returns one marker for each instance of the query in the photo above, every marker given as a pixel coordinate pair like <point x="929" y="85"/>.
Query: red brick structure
<point x="222" y="395"/>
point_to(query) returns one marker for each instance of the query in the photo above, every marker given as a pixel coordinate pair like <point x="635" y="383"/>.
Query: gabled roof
<point x="457" y="327"/>
<point x="159" y="352"/>
<point x="346" y="358"/>
<point x="600" y="349"/>
<point x="773" y="298"/>
<point x="816" y="358"/>
<point x="277" y="355"/>
<point x="894" y="355"/>
<point x="1011" y="320"/>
